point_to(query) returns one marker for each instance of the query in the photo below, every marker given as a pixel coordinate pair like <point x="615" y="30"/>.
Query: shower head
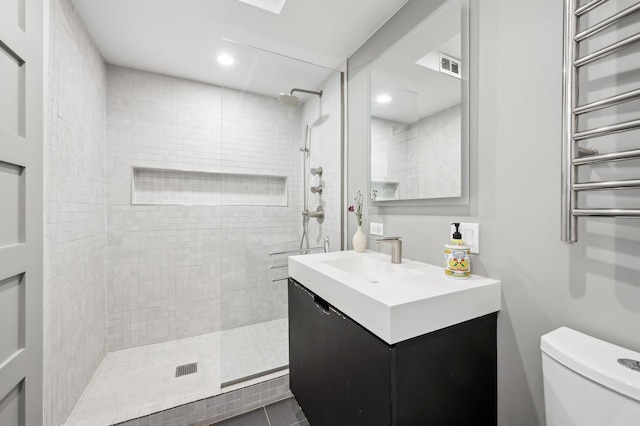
<point x="320" y="120"/>
<point x="291" y="100"/>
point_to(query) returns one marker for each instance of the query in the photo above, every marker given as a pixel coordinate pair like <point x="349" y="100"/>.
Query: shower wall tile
<point x="175" y="271"/>
<point x="423" y="158"/>
<point x="325" y="146"/>
<point x="75" y="339"/>
<point x="437" y="150"/>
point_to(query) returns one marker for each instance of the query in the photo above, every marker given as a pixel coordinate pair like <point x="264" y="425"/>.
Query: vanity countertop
<point x="395" y="302"/>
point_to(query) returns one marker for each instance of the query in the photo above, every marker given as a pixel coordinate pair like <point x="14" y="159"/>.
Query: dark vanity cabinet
<point x="341" y="374"/>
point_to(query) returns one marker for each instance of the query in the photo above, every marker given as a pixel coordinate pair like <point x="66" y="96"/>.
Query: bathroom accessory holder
<point x="574" y="156"/>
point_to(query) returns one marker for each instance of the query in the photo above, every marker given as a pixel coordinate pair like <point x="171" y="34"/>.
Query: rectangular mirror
<point x="419" y="113"/>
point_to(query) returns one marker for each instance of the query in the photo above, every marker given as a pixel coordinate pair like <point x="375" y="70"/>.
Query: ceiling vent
<point x="183" y="370"/>
<point x="450" y="65"/>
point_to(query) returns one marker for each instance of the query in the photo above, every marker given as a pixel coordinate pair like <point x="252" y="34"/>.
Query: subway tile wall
<point x="75" y="340"/>
<point x="423" y="157"/>
<point x="325" y="149"/>
<point x="178" y="271"/>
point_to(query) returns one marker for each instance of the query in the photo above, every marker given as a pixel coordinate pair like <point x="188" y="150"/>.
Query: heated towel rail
<point x="574" y="156"/>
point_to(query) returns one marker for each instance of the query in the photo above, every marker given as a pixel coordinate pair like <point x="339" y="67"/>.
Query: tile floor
<point x="281" y="413"/>
<point x="139" y="381"/>
<point x="246" y="351"/>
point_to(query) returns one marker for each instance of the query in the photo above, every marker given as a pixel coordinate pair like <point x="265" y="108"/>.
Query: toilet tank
<point x="585" y="384"/>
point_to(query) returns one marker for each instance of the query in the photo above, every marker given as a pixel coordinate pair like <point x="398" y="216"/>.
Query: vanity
<point x="375" y="343"/>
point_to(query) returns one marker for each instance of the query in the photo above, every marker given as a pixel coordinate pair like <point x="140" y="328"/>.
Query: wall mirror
<point x="419" y="113"/>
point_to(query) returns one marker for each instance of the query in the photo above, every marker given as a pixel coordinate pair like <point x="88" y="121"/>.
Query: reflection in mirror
<point x="417" y="143"/>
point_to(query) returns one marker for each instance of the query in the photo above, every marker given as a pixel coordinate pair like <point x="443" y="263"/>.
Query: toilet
<point x="585" y="384"/>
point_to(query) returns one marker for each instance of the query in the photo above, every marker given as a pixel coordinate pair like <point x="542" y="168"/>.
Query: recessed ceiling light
<point x="383" y="99"/>
<point x="273" y="6"/>
<point x="225" y="59"/>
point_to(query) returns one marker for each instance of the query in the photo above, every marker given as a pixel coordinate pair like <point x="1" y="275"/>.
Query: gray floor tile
<point x="252" y="418"/>
<point x="285" y="413"/>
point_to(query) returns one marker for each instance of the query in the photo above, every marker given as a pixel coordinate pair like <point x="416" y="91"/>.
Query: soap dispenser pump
<point x="457" y="256"/>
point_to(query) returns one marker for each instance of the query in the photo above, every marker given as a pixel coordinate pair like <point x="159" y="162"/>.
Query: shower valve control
<point x="318" y="214"/>
<point x="316" y="189"/>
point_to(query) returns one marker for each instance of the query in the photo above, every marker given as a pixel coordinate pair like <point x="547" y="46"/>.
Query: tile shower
<point x="185" y="188"/>
<point x="169" y="264"/>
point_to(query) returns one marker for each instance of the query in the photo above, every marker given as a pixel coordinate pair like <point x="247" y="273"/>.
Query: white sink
<point x="395" y="302"/>
<point x="371" y="269"/>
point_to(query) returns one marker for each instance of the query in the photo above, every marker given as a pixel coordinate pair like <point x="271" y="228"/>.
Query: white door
<point x="21" y="146"/>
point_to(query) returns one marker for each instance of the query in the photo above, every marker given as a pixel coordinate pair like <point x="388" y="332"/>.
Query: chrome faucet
<point x="396" y="247"/>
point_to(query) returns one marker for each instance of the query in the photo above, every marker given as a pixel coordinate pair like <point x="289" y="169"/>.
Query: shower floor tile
<point x="247" y="351"/>
<point x="139" y="381"/>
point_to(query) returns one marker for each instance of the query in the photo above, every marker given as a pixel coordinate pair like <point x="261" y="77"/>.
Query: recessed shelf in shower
<point x="156" y="186"/>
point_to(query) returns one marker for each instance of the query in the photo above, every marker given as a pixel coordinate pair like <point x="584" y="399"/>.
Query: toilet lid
<point x="595" y="359"/>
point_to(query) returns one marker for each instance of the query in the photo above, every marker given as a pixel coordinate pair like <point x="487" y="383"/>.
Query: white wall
<point x="75" y="340"/>
<point x="591" y="286"/>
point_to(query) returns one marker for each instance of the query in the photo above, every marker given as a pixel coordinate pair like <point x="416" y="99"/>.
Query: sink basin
<point x="395" y="302"/>
<point x="371" y="269"/>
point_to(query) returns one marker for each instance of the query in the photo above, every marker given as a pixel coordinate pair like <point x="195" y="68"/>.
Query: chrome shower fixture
<point x="310" y="92"/>
<point x="318" y="214"/>
<point x="316" y="171"/>
<point x="291" y="100"/>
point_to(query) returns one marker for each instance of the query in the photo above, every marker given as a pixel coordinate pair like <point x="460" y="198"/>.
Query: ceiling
<point x="183" y="38"/>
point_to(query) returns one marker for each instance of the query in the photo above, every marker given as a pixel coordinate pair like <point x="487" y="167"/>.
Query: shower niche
<point x="188" y="187"/>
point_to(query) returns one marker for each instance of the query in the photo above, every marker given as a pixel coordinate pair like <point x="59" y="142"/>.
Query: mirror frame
<point x="463" y="199"/>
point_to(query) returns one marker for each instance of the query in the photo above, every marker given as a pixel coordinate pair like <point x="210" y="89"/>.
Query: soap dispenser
<point x="456" y="256"/>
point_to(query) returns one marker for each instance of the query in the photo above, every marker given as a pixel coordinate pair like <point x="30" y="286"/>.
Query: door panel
<point x="12" y="179"/>
<point x="12" y="310"/>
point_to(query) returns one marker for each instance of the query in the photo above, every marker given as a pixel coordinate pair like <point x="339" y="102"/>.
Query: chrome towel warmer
<point x="572" y="155"/>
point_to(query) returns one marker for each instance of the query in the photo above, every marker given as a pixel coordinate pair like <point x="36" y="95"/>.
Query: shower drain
<point x="183" y="370"/>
